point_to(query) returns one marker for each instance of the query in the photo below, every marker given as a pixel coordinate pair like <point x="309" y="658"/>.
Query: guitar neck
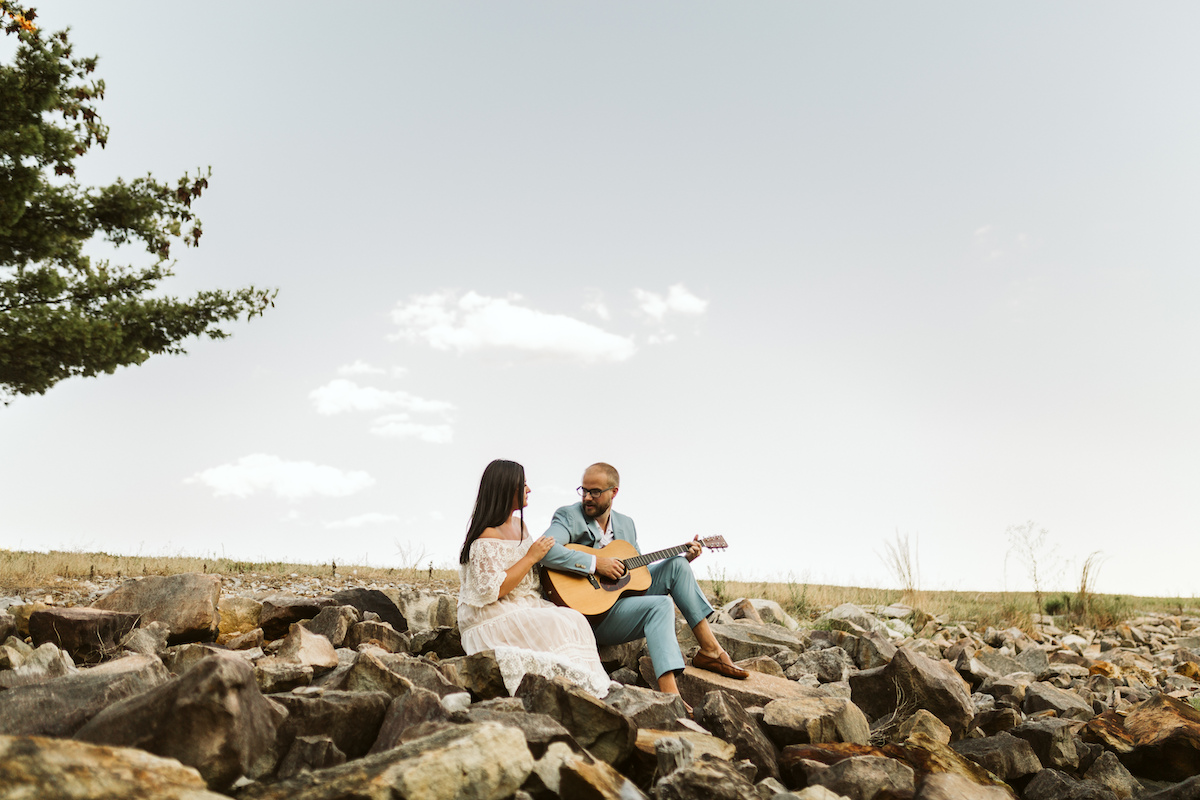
<point x="650" y="558"/>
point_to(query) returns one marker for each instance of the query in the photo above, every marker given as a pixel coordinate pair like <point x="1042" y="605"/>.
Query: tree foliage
<point x="63" y="313"/>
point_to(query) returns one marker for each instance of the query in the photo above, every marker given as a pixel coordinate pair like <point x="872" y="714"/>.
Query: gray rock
<point x="815" y="720"/>
<point x="1044" y="697"/>
<point x="239" y="615"/>
<point x="911" y="681"/>
<point x="280" y="611"/>
<point x="865" y="777"/>
<point x="212" y="718"/>
<point x="379" y="634"/>
<point x="539" y="730"/>
<point x="1185" y="790"/>
<point x="308" y="753"/>
<point x="1053" y="741"/>
<point x="187" y="604"/>
<point x="1108" y="771"/>
<point x="949" y="786"/>
<point x="1050" y="784"/>
<point x="60" y="706"/>
<point x="647" y="708"/>
<point x="478" y="673"/>
<point x="306" y="648"/>
<point x="334" y="623"/>
<point x="35" y="767"/>
<point x="274" y="676"/>
<point x="38" y="666"/>
<point x="747" y="640"/>
<point x="373" y="601"/>
<point x="89" y="634"/>
<point x="705" y="779"/>
<point x="443" y="642"/>
<point x="149" y="640"/>
<point x="8" y="626"/>
<point x="1004" y="755"/>
<point x="408" y="712"/>
<point x="830" y="664"/>
<point x="352" y="720"/>
<point x="725" y="717"/>
<point x="1035" y="660"/>
<point x="485" y="761"/>
<point x="604" y="731"/>
<point x="249" y="640"/>
<point x="855" y="616"/>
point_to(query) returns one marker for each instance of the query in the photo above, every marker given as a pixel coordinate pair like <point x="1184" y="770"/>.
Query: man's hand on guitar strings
<point x="694" y="550"/>
<point x="611" y="568"/>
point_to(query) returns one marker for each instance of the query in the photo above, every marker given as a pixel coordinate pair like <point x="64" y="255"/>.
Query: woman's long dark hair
<point x="503" y="482"/>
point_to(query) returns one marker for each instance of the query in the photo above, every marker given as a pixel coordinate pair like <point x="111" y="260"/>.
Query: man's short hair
<point x="614" y="478"/>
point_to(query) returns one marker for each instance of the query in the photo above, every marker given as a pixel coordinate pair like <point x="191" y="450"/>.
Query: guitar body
<point x="592" y="595"/>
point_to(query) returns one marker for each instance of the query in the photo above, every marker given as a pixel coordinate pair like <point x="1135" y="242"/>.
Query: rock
<point x="815" y="719"/>
<point x="38" y="666"/>
<point x="405" y="713"/>
<point x="149" y="640"/>
<point x="743" y="609"/>
<point x="302" y="646"/>
<point x="442" y="642"/>
<point x="767" y="665"/>
<point x="375" y="670"/>
<point x="539" y="730"/>
<point x="89" y="634"/>
<point x="911" y="681"/>
<point x="871" y="650"/>
<point x="1186" y="790"/>
<point x="859" y="621"/>
<point x="726" y="718"/>
<point x="948" y="786"/>
<point x="647" y="708"/>
<point x="20" y="613"/>
<point x="747" y="640"/>
<point x="1050" y="784"/>
<point x="626" y="654"/>
<point x="604" y="731"/>
<point x="246" y="641"/>
<point x="375" y="602"/>
<point x="351" y="720"/>
<point x="1108" y="771"/>
<point x="1004" y="755"/>
<point x="379" y="634"/>
<point x="334" y="622"/>
<point x="274" y="676"/>
<point x="182" y="657"/>
<point x="1053" y="741"/>
<point x="1034" y="659"/>
<point x="239" y="615"/>
<point x="566" y="773"/>
<point x="771" y="613"/>
<point x="424" y="609"/>
<point x="1044" y="697"/>
<point x="280" y="611"/>
<point x="1001" y="664"/>
<point x="212" y="718"/>
<point x="60" y="706"/>
<point x="830" y="665"/>
<point x="35" y="767"/>
<point x="485" y="761"/>
<point x="865" y="777"/>
<point x="1158" y="739"/>
<point x="308" y="753"/>
<point x="925" y="724"/>
<point x="478" y="673"/>
<point x="702" y="744"/>
<point x="756" y="690"/>
<point x="187" y="604"/>
<point x="8" y="626"/>
<point x="705" y="779"/>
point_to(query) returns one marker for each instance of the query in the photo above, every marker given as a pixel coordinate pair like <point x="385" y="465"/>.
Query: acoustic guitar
<point x="592" y="595"/>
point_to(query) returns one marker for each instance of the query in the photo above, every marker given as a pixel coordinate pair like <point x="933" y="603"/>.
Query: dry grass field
<point x="23" y="572"/>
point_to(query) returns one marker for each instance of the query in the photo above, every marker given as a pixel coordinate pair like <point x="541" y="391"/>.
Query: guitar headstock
<point x="714" y="542"/>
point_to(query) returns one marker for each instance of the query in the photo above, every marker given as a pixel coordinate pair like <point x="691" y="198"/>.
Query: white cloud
<point x="400" y="426"/>
<point x="475" y="322"/>
<point x="360" y="367"/>
<point x="340" y="395"/>
<point x="290" y="479"/>
<point x="363" y="519"/>
<point x="678" y="300"/>
<point x="597" y="306"/>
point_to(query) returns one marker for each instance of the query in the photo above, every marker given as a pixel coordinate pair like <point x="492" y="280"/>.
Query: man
<point x="592" y="523"/>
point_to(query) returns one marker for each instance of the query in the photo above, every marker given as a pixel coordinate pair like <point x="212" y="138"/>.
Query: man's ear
<point x="615" y="490"/>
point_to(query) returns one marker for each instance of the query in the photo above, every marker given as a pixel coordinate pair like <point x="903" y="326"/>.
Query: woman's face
<point x="522" y="498"/>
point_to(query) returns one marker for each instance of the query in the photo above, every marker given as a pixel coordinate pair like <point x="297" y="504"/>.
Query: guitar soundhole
<point x="609" y="585"/>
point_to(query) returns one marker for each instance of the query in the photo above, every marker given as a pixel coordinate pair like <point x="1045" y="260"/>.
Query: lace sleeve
<point x="485" y="571"/>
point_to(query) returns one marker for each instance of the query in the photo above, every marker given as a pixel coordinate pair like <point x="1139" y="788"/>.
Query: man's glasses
<point x="593" y="493"/>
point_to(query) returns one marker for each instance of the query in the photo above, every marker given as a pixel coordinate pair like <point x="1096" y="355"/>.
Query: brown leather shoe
<point x="718" y="666"/>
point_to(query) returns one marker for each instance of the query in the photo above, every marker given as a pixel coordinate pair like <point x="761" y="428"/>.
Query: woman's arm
<point x="514" y="574"/>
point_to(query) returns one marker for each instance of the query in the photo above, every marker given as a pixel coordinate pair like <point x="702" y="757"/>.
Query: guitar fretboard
<point x="650" y="558"/>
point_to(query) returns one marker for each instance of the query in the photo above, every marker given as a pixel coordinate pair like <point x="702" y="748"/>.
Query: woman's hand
<point x="540" y="547"/>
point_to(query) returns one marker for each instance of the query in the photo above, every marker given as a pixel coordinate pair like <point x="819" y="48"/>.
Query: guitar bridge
<point x="592" y="580"/>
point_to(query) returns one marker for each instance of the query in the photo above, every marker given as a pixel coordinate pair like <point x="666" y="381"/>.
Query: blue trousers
<point x="652" y="614"/>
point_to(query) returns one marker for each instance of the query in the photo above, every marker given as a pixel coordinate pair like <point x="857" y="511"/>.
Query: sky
<point x="816" y="277"/>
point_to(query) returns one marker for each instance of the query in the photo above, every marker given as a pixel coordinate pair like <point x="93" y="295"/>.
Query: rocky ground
<point x="199" y="686"/>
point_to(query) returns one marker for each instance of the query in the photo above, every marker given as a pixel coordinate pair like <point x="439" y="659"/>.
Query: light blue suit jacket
<point x="570" y="526"/>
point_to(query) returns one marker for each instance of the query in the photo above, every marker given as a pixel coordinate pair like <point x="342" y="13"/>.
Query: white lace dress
<point x="527" y="633"/>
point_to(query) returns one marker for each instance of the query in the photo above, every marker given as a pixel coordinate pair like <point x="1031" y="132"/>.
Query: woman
<point x="500" y="605"/>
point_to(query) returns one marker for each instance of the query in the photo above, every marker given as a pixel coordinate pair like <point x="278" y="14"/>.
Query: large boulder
<point x="213" y="718"/>
<point x="89" y="634"/>
<point x="187" y="604"/>
<point x="238" y="615"/>
<point x="61" y="706"/>
<point x="1004" y="755"/>
<point x="374" y="601"/>
<point x="911" y="681"/>
<point x="756" y="690"/>
<point x="726" y="718"/>
<point x="34" y="767"/>
<point x="351" y="720"/>
<point x="743" y="639"/>
<point x="334" y="623"/>
<point x="280" y="611"/>
<point x="406" y="713"/>
<point x="1159" y="739"/>
<point x="604" y="731"/>
<point x="810" y="720"/>
<point x="647" y="708"/>
<point x="483" y="761"/>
